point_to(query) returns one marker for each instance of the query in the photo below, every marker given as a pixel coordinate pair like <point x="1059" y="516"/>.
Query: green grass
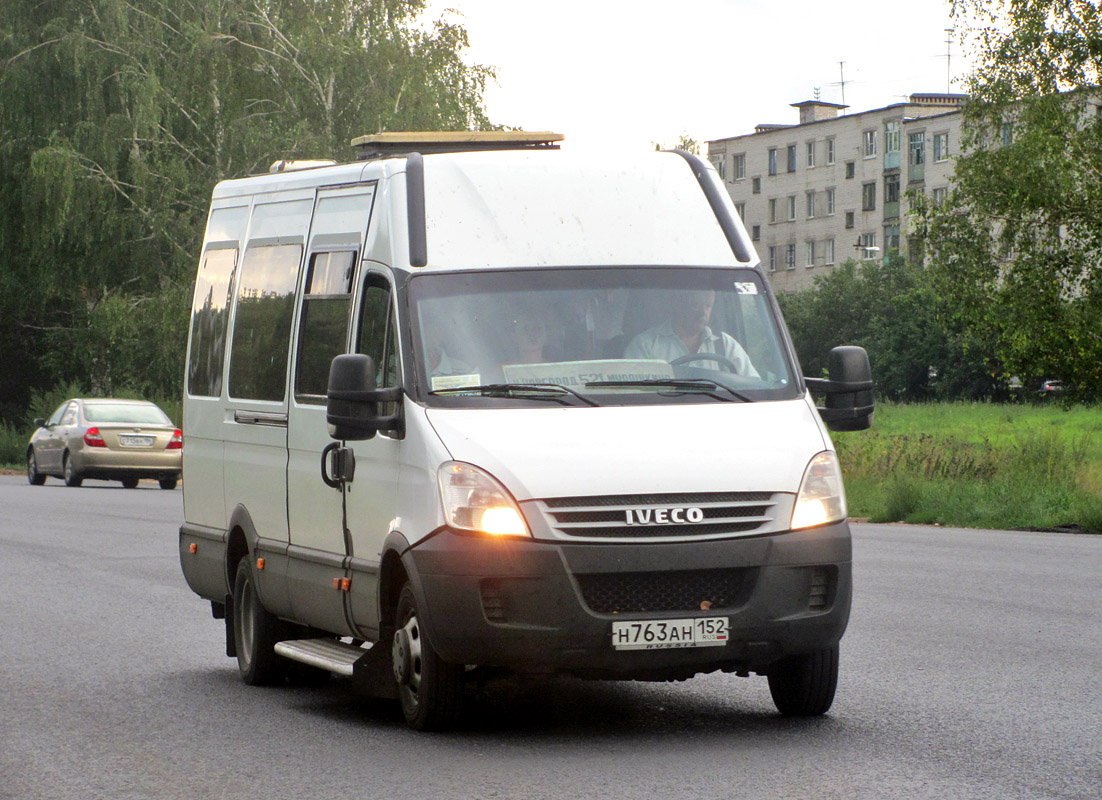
<point x="977" y="465"/>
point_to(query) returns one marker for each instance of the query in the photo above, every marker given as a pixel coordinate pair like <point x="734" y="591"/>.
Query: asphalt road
<point x="972" y="669"/>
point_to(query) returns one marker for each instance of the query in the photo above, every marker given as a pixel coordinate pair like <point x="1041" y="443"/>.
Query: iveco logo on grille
<point x="664" y="516"/>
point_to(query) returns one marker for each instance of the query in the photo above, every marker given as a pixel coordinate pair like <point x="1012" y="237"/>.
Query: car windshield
<point x="608" y="336"/>
<point x="125" y="412"/>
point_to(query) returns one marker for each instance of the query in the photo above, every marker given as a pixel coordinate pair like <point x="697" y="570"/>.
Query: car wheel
<point x="429" y="688"/>
<point x="34" y="477"/>
<point x="255" y="631"/>
<point x="72" y="477"/>
<point x="803" y="686"/>
<point x="130" y="483"/>
<point x="168" y="484"/>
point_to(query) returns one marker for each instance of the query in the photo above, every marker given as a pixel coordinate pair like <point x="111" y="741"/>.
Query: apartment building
<point x="834" y="186"/>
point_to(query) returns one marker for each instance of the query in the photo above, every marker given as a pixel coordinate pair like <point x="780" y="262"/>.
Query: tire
<point x="803" y="686"/>
<point x="130" y="483"/>
<point x="34" y="477"/>
<point x="430" y="689"/>
<point x="72" y="477"/>
<point x="255" y="632"/>
<point x="168" y="484"/>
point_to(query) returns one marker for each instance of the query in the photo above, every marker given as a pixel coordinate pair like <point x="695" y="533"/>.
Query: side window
<point x="209" y="316"/>
<point x="324" y="325"/>
<point x="377" y="336"/>
<point x="70" y="416"/>
<point x="262" y="324"/>
<point x="55" y="418"/>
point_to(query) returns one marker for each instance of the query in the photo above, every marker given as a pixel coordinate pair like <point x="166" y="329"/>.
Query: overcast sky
<point x="626" y="73"/>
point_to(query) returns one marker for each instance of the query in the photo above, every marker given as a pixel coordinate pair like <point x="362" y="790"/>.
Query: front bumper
<point x="549" y="606"/>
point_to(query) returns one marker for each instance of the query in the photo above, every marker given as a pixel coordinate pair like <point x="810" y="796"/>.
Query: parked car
<point x="116" y="440"/>
<point x="1050" y="388"/>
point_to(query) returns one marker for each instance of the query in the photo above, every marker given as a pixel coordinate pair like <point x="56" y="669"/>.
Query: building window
<point x="849" y="219"/>
<point x="941" y="147"/>
<point x="891" y="188"/>
<point x="810" y="260"/>
<point x="893" y="139"/>
<point x="755" y="185"/>
<point x="720" y="163"/>
<point x="741" y="209"/>
<point x="791" y="158"/>
<point x="917" y="152"/>
<point x="772" y="258"/>
<point x="941" y="194"/>
<point x="811" y="205"/>
<point x="830" y="202"/>
<point x="739" y="163"/>
<point x="868" y="147"/>
<point x="790" y="256"/>
<point x="828" y="251"/>
<point x="811" y="154"/>
<point x="792" y="208"/>
<point x="772" y="209"/>
<point x="868" y="196"/>
<point x="891" y="239"/>
<point x="866" y="246"/>
<point x="772" y="161"/>
<point x="830" y="150"/>
<point x="755" y="233"/>
<point x="1007" y="134"/>
<point x="850" y="169"/>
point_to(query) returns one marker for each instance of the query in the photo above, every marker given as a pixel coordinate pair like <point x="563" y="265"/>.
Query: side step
<point x="369" y="668"/>
<point x="330" y="654"/>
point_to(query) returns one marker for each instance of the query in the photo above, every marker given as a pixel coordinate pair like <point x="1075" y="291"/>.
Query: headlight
<point x="474" y="501"/>
<point x="821" y="498"/>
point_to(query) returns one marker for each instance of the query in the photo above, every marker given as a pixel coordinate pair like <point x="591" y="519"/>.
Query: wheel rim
<point x="407" y="657"/>
<point x="246" y="603"/>
<point x="68" y="469"/>
<point x="32" y="466"/>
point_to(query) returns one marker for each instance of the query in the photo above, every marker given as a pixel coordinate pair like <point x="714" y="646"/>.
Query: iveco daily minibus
<point x="476" y="402"/>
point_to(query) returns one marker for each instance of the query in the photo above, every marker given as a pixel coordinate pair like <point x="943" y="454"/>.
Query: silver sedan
<point x="118" y="440"/>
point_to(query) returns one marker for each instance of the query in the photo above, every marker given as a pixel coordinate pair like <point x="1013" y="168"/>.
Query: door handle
<point x="338" y="465"/>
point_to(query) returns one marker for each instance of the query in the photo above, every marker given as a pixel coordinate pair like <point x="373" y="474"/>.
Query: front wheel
<point x="255" y="632"/>
<point x="130" y="483"/>
<point x="34" y="477"/>
<point x="803" y="686"/>
<point x="72" y="477"/>
<point x="429" y="688"/>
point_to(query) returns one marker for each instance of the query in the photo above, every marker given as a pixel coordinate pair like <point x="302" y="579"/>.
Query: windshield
<point x="606" y="336"/>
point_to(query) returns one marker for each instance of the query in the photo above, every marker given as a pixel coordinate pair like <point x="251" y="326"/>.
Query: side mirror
<point x="849" y="400"/>
<point x="39" y="422"/>
<point x="352" y="407"/>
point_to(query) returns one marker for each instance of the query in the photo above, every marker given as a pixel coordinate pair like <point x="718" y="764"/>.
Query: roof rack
<point x="400" y="143"/>
<point x="290" y="165"/>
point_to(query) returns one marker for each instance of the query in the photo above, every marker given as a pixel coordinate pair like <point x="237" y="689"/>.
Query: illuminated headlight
<point x="821" y="498"/>
<point x="474" y="501"/>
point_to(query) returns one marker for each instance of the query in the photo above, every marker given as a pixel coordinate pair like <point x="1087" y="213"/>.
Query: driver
<point x="686" y="332"/>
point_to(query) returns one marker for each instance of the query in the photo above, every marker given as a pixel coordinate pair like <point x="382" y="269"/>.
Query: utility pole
<point x="948" y="59"/>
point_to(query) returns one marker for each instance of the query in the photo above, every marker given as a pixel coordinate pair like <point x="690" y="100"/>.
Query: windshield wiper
<point x="533" y="391"/>
<point x="701" y="385"/>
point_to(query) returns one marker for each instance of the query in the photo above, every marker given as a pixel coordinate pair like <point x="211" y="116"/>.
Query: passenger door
<point x="47" y="450"/>
<point x="319" y="549"/>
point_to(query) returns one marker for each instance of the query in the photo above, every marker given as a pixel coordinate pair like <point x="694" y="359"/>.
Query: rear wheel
<point x="130" y="483"/>
<point x="34" y="477"/>
<point x="72" y="477"/>
<point x="255" y="631"/>
<point x="803" y="686"/>
<point x="168" y="483"/>
<point x="429" y="688"/>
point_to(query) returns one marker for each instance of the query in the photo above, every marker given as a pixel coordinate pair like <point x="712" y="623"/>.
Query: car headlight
<point x="821" y="498"/>
<point x="474" y="501"/>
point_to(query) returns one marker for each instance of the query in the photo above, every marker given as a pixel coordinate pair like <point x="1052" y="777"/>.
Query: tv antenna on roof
<point x="842" y="83"/>
<point x="948" y="58"/>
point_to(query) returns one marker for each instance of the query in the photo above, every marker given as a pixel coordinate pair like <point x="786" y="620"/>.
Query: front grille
<point x="657" y="516"/>
<point x="684" y="591"/>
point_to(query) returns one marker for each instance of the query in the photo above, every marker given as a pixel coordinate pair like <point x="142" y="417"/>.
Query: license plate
<point x="666" y="634"/>
<point x="136" y="441"/>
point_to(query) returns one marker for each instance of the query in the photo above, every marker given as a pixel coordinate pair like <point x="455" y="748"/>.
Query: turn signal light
<point x="177" y="440"/>
<point x="93" y="438"/>
<point x="260" y="563"/>
<point x="193" y="548"/>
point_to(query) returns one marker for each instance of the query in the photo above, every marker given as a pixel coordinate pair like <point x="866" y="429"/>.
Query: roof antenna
<point x="842" y="83"/>
<point x="948" y="58"/>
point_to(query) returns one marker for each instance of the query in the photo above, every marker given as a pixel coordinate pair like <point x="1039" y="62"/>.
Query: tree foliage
<point x="1017" y="248"/>
<point x="117" y="118"/>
